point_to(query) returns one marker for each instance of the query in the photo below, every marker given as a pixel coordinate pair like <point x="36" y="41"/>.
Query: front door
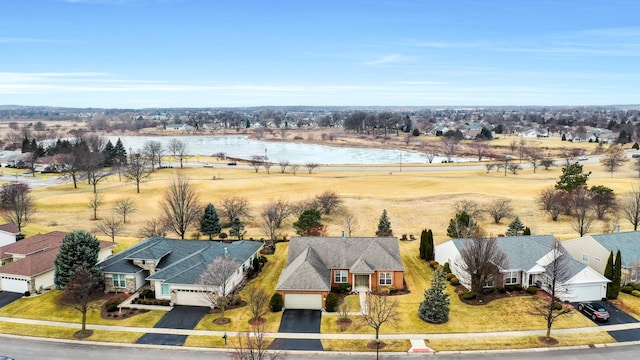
<point x="362" y="281"/>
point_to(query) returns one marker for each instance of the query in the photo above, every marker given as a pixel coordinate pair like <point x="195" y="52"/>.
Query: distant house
<point x="29" y="264"/>
<point x="527" y="258"/>
<point x="179" y="127"/>
<point x="9" y="233"/>
<point x="173" y="267"/>
<point x="315" y="265"/>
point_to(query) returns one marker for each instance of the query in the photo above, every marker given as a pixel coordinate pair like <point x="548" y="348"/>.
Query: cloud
<point x="384" y="60"/>
<point x="9" y="40"/>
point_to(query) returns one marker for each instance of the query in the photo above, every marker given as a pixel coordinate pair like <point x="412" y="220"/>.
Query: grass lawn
<point x="519" y="342"/>
<point x="361" y="345"/>
<point x="67" y="333"/>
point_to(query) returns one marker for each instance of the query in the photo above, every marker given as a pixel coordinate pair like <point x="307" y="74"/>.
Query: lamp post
<point x="224" y="337"/>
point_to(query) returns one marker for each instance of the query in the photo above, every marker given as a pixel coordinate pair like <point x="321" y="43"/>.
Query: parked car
<point x="595" y="310"/>
<point x="583" y="158"/>
<point x="233" y="163"/>
<point x="207" y="165"/>
<point x="635" y="156"/>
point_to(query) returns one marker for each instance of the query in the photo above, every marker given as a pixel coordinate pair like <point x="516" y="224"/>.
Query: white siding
<point x="586" y="245"/>
<point x="6" y="238"/>
<point x="44" y="280"/>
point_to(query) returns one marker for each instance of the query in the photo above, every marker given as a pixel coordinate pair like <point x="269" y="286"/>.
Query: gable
<point x="627" y="242"/>
<point x="305" y="272"/>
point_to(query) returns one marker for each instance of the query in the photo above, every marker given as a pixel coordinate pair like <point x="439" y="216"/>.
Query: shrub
<point x="517" y="287"/>
<point x="469" y="296"/>
<point x="449" y="276"/>
<point x="344" y="288"/>
<point x="446" y="268"/>
<point x="502" y="290"/>
<point x="454" y="281"/>
<point x="111" y="306"/>
<point x="392" y="289"/>
<point x="222" y="236"/>
<point x="557" y="306"/>
<point x="626" y="289"/>
<point x="636" y="293"/>
<point x="331" y="302"/>
<point x="532" y="290"/>
<point x="635" y="286"/>
<point x="148" y="294"/>
<point x="434" y="264"/>
<point x="276" y="303"/>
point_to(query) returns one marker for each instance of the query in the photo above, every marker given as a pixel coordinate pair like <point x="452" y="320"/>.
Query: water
<point x="238" y="146"/>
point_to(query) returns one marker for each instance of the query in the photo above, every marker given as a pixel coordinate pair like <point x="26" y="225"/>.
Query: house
<point x="173" y="267"/>
<point x="594" y="250"/>
<point x="184" y="127"/>
<point x="9" y="233"/>
<point x="527" y="258"/>
<point x="29" y="264"/>
<point x="315" y="265"/>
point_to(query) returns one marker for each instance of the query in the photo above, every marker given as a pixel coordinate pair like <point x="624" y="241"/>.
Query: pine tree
<point x="423" y="244"/>
<point x="109" y="153"/>
<point x="119" y="152"/>
<point x="237" y="228"/>
<point x="516" y="228"/>
<point x="210" y="222"/>
<point x="79" y="248"/>
<point x="527" y="231"/>
<point x="384" y="226"/>
<point x="617" y="275"/>
<point x="462" y="226"/>
<point x="429" y="253"/>
<point x="435" y="306"/>
<point x="608" y="273"/>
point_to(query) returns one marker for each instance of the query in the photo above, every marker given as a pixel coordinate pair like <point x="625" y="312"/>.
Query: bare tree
<point x="613" y="158"/>
<point x="513" y="145"/>
<point x="17" y="204"/>
<point x="181" y="207"/>
<point x="111" y="227"/>
<point x="124" y="207"/>
<point x="294" y="168"/>
<point x="310" y="166"/>
<point x="91" y="166"/>
<point x="253" y="345"/>
<point x="582" y="214"/>
<point x="258" y="302"/>
<point x="177" y="148"/>
<point x="379" y="309"/>
<point x="283" y="166"/>
<point x="471" y="207"/>
<point x="71" y="165"/>
<point x="553" y="202"/>
<point x="327" y="202"/>
<point x="535" y="156"/>
<point x="449" y="146"/>
<point x="514" y="168"/>
<point x="256" y="161"/>
<point x="547" y="162"/>
<point x="350" y="223"/>
<point x="429" y="152"/>
<point x="499" y="209"/>
<point x="95" y="143"/>
<point x="79" y="293"/>
<point x="216" y="281"/>
<point x="489" y="167"/>
<point x="154" y="227"/>
<point x="480" y="261"/>
<point x="137" y="170"/>
<point x="267" y="166"/>
<point x="273" y="214"/>
<point x="480" y="148"/>
<point x="570" y="154"/>
<point x="94" y="203"/>
<point x="152" y="150"/>
<point x="235" y="207"/>
<point x="630" y="206"/>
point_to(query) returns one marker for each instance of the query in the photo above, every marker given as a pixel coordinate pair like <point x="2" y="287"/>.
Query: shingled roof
<point x="627" y="242"/>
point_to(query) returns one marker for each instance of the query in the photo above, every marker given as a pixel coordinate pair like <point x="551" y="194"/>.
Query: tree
<point x="78" y="249"/>
<point x="384" y="225"/>
<point x="613" y="158"/>
<point x="237" y="228"/>
<point x="516" y="228"/>
<point x="461" y="226"/>
<point x="310" y="166"/>
<point x="328" y="202"/>
<point x="78" y="293"/>
<point x="110" y="227"/>
<point x="423" y="244"/>
<point x="17" y="204"/>
<point x="273" y="214"/>
<point x="572" y="177"/>
<point x="178" y="148"/>
<point x="308" y="223"/>
<point x="480" y="148"/>
<point x="258" y="302"/>
<point x="553" y="202"/>
<point x="435" y="306"/>
<point x="155" y="227"/>
<point x="608" y="273"/>
<point x="235" y="207"/>
<point x="137" y="170"/>
<point x="210" y="222"/>
<point x="603" y="200"/>
<point x="582" y="214"/>
<point x="449" y="146"/>
<point x="617" y="274"/>
<point x="95" y="201"/>
<point x="152" y="150"/>
<point x="124" y="207"/>
<point x="256" y="161"/>
<point x="471" y="207"/>
<point x="499" y="209"/>
<point x="429" y="253"/>
<point x="535" y="156"/>
<point x="283" y="165"/>
<point x="480" y="261"/>
<point x="630" y="206"/>
<point x="215" y="281"/>
<point x="381" y="309"/>
<point x="181" y="206"/>
<point x="253" y="345"/>
<point x="92" y="168"/>
<point x="350" y="223"/>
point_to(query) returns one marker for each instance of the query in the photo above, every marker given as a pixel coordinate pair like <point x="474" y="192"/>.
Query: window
<point x="585" y="258"/>
<point x="340" y="276"/>
<point x="511" y="278"/>
<point x="119" y="281"/>
<point x="386" y="278"/>
<point x="164" y="289"/>
<point x="489" y="283"/>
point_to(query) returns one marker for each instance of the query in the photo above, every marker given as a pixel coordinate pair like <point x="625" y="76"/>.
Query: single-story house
<point x="29" y="264"/>
<point x="315" y="265"/>
<point x="527" y="258"/>
<point x="9" y="233"/>
<point x="594" y="250"/>
<point x="173" y="267"/>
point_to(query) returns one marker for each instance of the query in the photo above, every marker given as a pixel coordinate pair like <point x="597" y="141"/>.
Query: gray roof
<point x="182" y="262"/>
<point x="311" y="259"/>
<point x="627" y="242"/>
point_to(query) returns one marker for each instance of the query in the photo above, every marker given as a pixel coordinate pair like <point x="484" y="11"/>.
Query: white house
<point x="9" y="233"/>
<point x="527" y="258"/>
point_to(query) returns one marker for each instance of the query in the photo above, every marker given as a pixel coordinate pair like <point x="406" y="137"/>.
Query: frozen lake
<point x="242" y="147"/>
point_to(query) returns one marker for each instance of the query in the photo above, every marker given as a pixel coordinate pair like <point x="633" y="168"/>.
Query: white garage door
<point x="588" y="293"/>
<point x="192" y="298"/>
<point x="13" y="284"/>
<point x="303" y="301"/>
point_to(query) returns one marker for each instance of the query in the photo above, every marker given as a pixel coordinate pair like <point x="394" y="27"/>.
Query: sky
<point x="238" y="53"/>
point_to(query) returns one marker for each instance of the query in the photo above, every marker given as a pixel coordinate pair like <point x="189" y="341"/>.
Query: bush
<point x="502" y="290"/>
<point x="344" y="288"/>
<point x="450" y="276"/>
<point x="392" y="289"/>
<point x="148" y="294"/>
<point x="517" y="287"/>
<point x="434" y="264"/>
<point x="626" y="289"/>
<point x="331" y="302"/>
<point x="222" y="236"/>
<point x="532" y="290"/>
<point x="636" y="293"/>
<point x="454" y="281"/>
<point x="276" y="303"/>
<point x="469" y="296"/>
<point x="635" y="286"/>
<point x="446" y="268"/>
<point x="557" y="306"/>
<point x="111" y="306"/>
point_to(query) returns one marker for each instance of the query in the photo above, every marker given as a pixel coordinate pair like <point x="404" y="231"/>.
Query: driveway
<point x="299" y="321"/>
<point x="618" y="317"/>
<point x="181" y="317"/>
<point x="7" y="297"/>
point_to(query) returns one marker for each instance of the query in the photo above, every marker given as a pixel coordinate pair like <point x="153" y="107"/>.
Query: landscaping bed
<point x="487" y="297"/>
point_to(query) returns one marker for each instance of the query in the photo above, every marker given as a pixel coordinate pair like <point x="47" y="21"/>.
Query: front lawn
<point x="517" y="342"/>
<point x="628" y="303"/>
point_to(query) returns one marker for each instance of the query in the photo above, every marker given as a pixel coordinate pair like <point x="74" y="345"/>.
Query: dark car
<point x="595" y="310"/>
<point x="232" y="163"/>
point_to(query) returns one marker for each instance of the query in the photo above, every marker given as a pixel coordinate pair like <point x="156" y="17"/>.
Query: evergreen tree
<point x="429" y="253"/>
<point x="617" y="275"/>
<point x="119" y="152"/>
<point x="384" y="225"/>
<point x="210" y="222"/>
<point x="237" y="228"/>
<point x="79" y="249"/>
<point x="608" y="273"/>
<point x="308" y="223"/>
<point x="516" y="228"/>
<point x="527" y="231"/>
<point x="462" y="226"/>
<point x="572" y="178"/>
<point x="423" y="244"/>
<point x="109" y="153"/>
<point x="435" y="306"/>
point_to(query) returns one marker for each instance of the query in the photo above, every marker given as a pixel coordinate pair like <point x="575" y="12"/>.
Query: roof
<point x="9" y="228"/>
<point x="626" y="242"/>
<point x="33" y="244"/>
<point x="178" y="261"/>
<point x="311" y="259"/>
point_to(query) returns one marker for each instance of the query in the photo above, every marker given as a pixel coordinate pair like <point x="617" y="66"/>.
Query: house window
<point x="634" y="274"/>
<point x="585" y="258"/>
<point x="511" y="278"/>
<point x="340" y="276"/>
<point x="386" y="278"/>
<point x="119" y="281"/>
<point x="164" y="289"/>
<point x="489" y="283"/>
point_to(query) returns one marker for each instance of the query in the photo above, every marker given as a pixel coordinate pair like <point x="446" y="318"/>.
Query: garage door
<point x="192" y="298"/>
<point x="588" y="293"/>
<point x="303" y="301"/>
<point x="14" y="284"/>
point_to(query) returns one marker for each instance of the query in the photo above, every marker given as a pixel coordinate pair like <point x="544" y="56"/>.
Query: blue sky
<point x="219" y="53"/>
